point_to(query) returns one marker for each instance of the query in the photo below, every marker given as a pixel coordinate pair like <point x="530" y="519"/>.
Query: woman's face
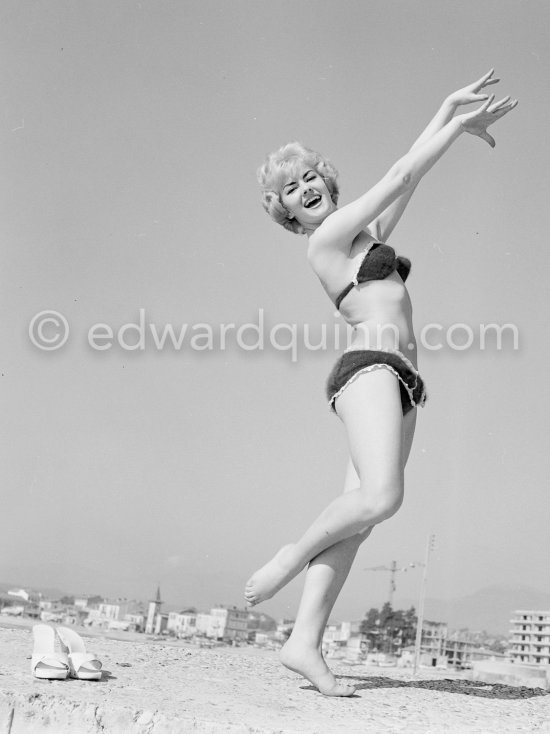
<point x="305" y="196"/>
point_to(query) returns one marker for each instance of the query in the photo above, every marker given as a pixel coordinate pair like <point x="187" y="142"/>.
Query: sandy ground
<point x="158" y="687"/>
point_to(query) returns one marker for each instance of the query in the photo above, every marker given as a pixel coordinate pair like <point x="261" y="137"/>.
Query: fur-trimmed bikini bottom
<point x="355" y="362"/>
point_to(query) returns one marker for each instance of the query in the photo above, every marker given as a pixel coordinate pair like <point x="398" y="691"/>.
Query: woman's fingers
<point x="506" y="108"/>
<point x="498" y="104"/>
<point x="477" y="122"/>
<point x="484" y="107"/>
<point x="485" y="80"/>
<point x="502" y="107"/>
<point x="488" y="138"/>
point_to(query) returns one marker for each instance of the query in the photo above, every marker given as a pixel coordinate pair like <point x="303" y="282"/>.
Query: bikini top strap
<point x="343" y="294"/>
<point x="355" y="280"/>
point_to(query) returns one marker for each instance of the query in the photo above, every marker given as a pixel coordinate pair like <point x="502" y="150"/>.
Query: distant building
<point x="356" y="649"/>
<point x="257" y="621"/>
<point x="114" y="610"/>
<point x="338" y="634"/>
<point x="530" y="637"/>
<point x="20" y="593"/>
<point x="88" y="602"/>
<point x="343" y="638"/>
<point x="182" y="624"/>
<point x="434" y="641"/>
<point x="234" y="623"/>
<point x="284" y="629"/>
<point x="120" y="614"/>
<point x="15" y="610"/>
<point x="153" y="611"/>
<point x="161" y="623"/>
<point x="262" y="639"/>
<point x="460" y="648"/>
<point x="203" y="623"/>
<point x="223" y="623"/>
<point x="136" y="621"/>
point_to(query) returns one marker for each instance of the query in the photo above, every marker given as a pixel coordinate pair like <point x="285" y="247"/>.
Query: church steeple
<point x="153" y="612"/>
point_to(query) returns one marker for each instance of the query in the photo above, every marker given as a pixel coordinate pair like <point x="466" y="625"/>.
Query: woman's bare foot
<point x="266" y="582"/>
<point x="309" y="662"/>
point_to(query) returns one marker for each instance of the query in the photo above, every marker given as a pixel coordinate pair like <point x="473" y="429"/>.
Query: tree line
<point x="389" y="630"/>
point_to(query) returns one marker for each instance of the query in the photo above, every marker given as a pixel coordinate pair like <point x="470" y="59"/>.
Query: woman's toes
<point x="340" y="689"/>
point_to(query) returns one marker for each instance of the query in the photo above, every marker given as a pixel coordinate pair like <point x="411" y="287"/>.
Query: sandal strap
<point x="84" y="660"/>
<point x="51" y="660"/>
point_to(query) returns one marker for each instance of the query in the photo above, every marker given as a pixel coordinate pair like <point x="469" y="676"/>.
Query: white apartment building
<point x="434" y="638"/>
<point x="115" y="610"/>
<point x="228" y="623"/>
<point x="182" y="624"/>
<point x="338" y="634"/>
<point x="222" y="623"/>
<point x="236" y="625"/>
<point x="530" y="637"/>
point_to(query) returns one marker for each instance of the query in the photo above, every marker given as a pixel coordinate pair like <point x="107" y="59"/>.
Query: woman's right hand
<point x="477" y="122"/>
<point x="471" y="92"/>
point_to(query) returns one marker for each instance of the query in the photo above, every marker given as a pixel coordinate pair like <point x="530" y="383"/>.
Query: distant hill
<point x="488" y="609"/>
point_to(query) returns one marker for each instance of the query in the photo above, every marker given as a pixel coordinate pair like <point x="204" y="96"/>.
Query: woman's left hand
<point x="477" y="122"/>
<point x="471" y="93"/>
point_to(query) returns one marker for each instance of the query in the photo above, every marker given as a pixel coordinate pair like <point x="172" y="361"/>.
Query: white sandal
<point x="47" y="663"/>
<point x="84" y="666"/>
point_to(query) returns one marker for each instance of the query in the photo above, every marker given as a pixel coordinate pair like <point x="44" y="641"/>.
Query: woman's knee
<point x="383" y="499"/>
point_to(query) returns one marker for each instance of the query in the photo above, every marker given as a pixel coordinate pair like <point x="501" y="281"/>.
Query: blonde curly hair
<point x="276" y="169"/>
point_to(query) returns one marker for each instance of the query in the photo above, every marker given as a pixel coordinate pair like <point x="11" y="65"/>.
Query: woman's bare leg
<point x="325" y="577"/>
<point x="370" y="408"/>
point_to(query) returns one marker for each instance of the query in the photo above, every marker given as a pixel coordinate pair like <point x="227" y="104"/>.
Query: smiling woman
<point x="375" y="386"/>
<point x="306" y="197"/>
<point x="284" y="171"/>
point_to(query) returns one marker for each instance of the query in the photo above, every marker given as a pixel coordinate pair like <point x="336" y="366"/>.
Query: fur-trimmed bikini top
<point x="379" y="261"/>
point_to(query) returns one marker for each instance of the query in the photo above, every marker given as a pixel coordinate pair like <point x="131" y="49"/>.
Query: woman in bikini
<point x="375" y="386"/>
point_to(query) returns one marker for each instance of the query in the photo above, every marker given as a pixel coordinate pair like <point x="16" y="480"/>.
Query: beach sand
<point x="158" y="687"/>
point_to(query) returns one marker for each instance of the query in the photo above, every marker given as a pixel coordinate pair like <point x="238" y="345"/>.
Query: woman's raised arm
<point x="341" y="227"/>
<point x="385" y="223"/>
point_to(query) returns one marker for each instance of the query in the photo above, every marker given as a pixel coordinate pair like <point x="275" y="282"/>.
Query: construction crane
<point x="392" y="570"/>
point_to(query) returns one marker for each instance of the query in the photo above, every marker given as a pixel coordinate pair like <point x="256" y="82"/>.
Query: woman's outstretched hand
<point x="472" y="92"/>
<point x="477" y="122"/>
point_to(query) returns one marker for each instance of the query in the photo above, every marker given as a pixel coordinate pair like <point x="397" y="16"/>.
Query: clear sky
<point x="131" y="135"/>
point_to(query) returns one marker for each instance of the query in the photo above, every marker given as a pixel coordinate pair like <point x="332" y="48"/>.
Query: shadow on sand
<point x="446" y="685"/>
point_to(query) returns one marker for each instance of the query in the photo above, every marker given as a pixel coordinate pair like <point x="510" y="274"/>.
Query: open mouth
<point x="312" y="201"/>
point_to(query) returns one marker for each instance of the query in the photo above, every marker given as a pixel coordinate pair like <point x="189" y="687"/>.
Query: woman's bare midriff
<point x="380" y="313"/>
